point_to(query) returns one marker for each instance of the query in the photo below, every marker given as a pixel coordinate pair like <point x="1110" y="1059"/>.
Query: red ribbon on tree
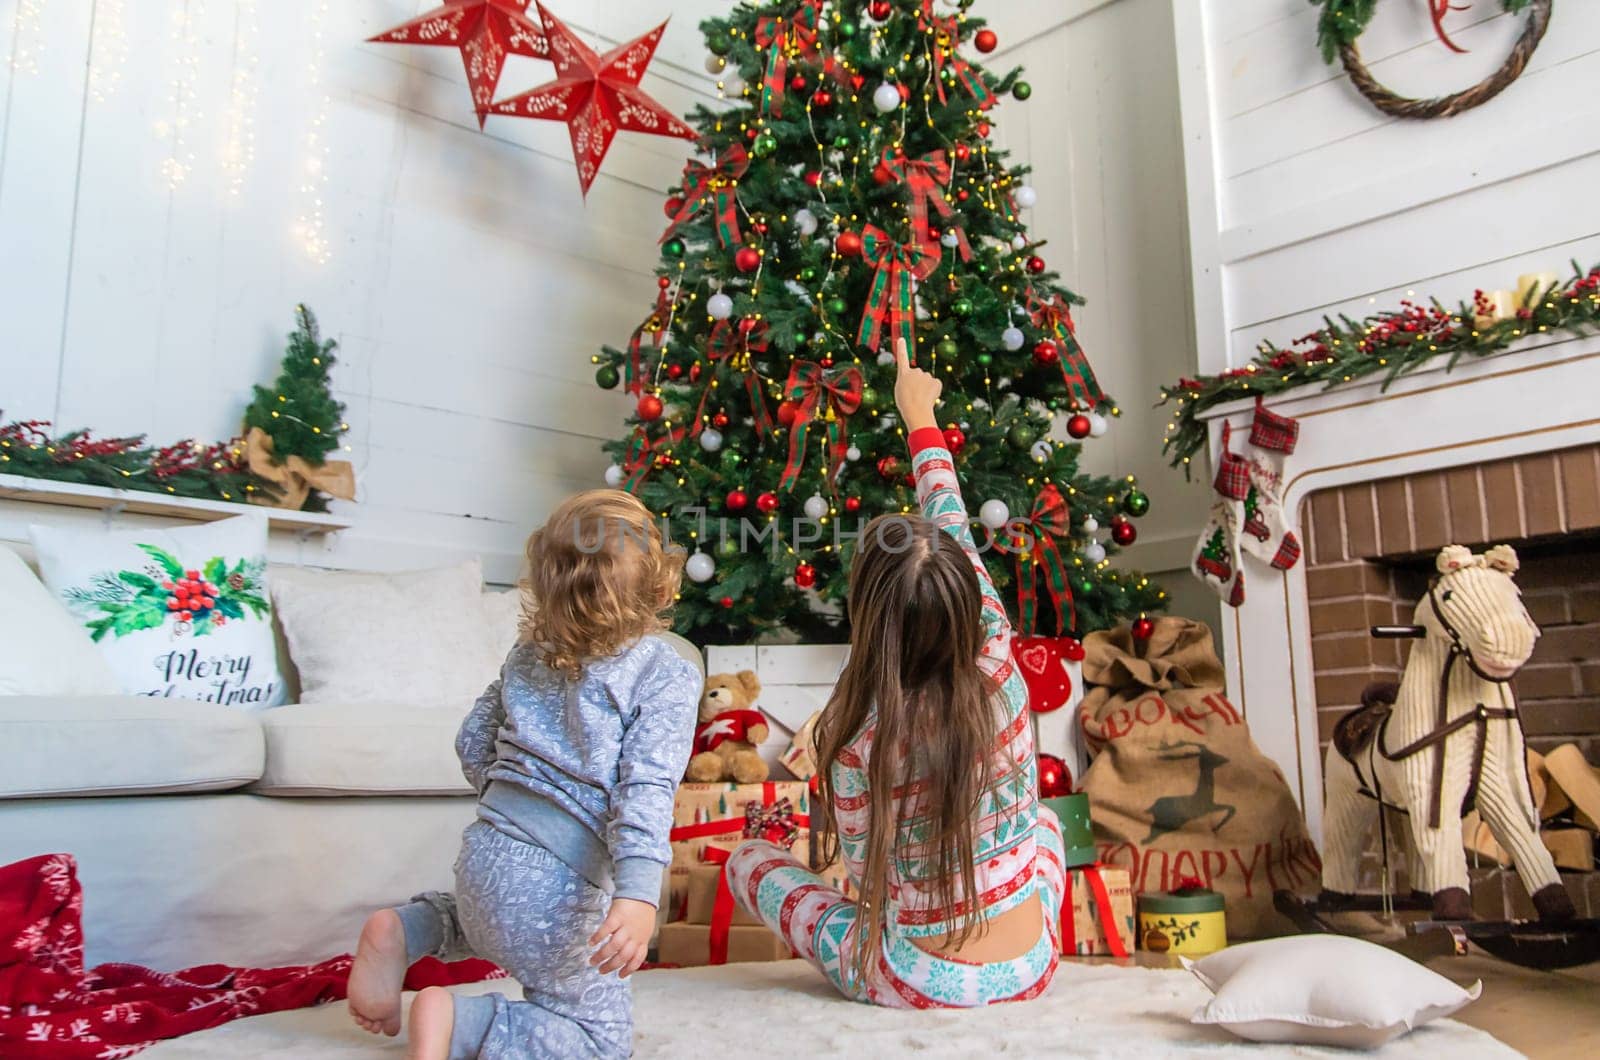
<point x="1054" y="317"/>
<point x="926" y="179"/>
<point x="655" y="325"/>
<point x="787" y="37"/>
<point x="733" y="343"/>
<point x="1069" y="927"/>
<point x="946" y="36"/>
<point x="1033" y="540"/>
<point x="642" y="454"/>
<point x="839" y="395"/>
<point x="892" y="297"/>
<point x="720" y="183"/>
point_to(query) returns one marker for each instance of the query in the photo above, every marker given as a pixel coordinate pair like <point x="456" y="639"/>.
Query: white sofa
<point x="207" y="834"/>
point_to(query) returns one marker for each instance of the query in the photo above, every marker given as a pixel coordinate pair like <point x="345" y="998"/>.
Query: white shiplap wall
<point x="1305" y="200"/>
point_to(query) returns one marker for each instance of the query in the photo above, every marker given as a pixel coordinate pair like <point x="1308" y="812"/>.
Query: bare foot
<point x="433" y="1017"/>
<point x="378" y="974"/>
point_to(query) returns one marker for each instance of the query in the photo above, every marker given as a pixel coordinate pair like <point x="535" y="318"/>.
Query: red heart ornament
<point x="857" y="80"/>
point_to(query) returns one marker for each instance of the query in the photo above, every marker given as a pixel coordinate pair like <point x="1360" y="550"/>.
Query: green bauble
<point x="838" y="307"/>
<point x="809" y="274"/>
<point x="961" y="307"/>
<point x="846" y="30"/>
<point x="607" y="377"/>
<point x="673" y="248"/>
<point x="731" y="461"/>
<point x="949" y="349"/>
<point x="869" y="398"/>
<point x="986" y="359"/>
<point x="1136" y="503"/>
<point x="1022" y="436"/>
<point x="842" y="142"/>
<point x="983" y="268"/>
<point x="1054" y="404"/>
<point x="764" y="146"/>
<point x="1022" y="90"/>
<point x="729" y="546"/>
<point x="719" y="44"/>
<point x="1083" y="587"/>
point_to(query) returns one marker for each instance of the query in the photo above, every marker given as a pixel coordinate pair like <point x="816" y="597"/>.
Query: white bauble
<point x="1019" y="241"/>
<point x="886" y="97"/>
<point x="1025" y="196"/>
<point x="700" y="568"/>
<point x="994" y="514"/>
<point x="852" y="454"/>
<point x="1012" y="339"/>
<point x="950" y="239"/>
<point x="613" y="476"/>
<point x="1098" y="425"/>
<point x="710" y="439"/>
<point x="805" y="221"/>
<point x="733" y="86"/>
<point x="1090" y="524"/>
<point x="816" y="507"/>
<point x="720" y="306"/>
<point x="1094" y="552"/>
<point x="1041" y="451"/>
<point x="715" y="64"/>
<point x="885" y="357"/>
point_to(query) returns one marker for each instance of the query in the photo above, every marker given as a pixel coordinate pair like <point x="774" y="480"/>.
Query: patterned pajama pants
<point x="820" y="925"/>
<point x="518" y="905"/>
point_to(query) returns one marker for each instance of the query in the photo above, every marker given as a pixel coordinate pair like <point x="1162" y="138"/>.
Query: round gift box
<point x="1076" y="834"/>
<point x="1191" y="924"/>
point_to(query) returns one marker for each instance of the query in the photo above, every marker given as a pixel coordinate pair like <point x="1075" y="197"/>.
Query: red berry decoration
<point x="1055" y="780"/>
<point x="888" y="467"/>
<point x="767" y="503"/>
<point x="880" y="10"/>
<point x="848" y="244"/>
<point x="822" y="98"/>
<point x="1124" y="533"/>
<point x="1036" y="265"/>
<point x="1072" y="648"/>
<point x="1079" y="426"/>
<point x="736" y="500"/>
<point x="954" y="440"/>
<point x="852" y="504"/>
<point x="787" y="411"/>
<point x="650" y="408"/>
<point x="986" y="41"/>
<point x="805" y="576"/>
<point x="748" y="259"/>
<point x="1143" y="629"/>
<point x="720" y="420"/>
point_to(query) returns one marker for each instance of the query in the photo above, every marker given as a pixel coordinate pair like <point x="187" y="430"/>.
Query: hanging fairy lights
<point x="311" y="227"/>
<point x="27" y="36"/>
<point x="109" y="50"/>
<point x="239" y="147"/>
<point x="182" y="95"/>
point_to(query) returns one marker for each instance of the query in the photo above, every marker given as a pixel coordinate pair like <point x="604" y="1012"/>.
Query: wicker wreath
<point x="1448" y="106"/>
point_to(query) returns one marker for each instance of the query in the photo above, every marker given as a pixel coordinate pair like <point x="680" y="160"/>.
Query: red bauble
<point x="663" y="282"/>
<point x="663" y="461"/>
<point x="751" y="133"/>
<point x="880" y="10"/>
<point x="822" y="98"/>
<point x="720" y="420"/>
<point x="1124" y="533"/>
<point x="1079" y="426"/>
<point x="983" y="129"/>
<point x="814" y="177"/>
<point x="905" y="93"/>
<point x="694" y="372"/>
<point x="1072" y="648"/>
<point x="954" y="440"/>
<point x="674" y="371"/>
<point x="963" y="195"/>
<point x="881" y="174"/>
<point x="672" y="206"/>
<point x="963" y="152"/>
<point x="852" y="504"/>
<point x="848" y="244"/>
<point x="1143" y="629"/>
<point x="727" y="602"/>
<point x="736" y="500"/>
<point x="986" y="41"/>
<point x="650" y="408"/>
<point x="767" y="503"/>
<point x="787" y="411"/>
<point x="889" y="467"/>
<point x="1055" y="779"/>
<point x="910" y="480"/>
<point x="1046" y="352"/>
<point x="748" y="259"/>
<point x="805" y="576"/>
<point x="798" y="83"/>
<point x="1036" y="265"/>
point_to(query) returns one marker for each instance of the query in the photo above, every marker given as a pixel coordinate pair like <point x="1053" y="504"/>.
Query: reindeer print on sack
<point x="1173" y="813"/>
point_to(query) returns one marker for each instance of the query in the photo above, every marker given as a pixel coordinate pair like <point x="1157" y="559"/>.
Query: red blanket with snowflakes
<point x="51" y="1006"/>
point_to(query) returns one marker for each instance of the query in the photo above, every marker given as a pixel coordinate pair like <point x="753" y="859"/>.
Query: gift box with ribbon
<point x="690" y="946"/>
<point x="725" y="815"/>
<point x="801" y="757"/>
<point x="1097" y="913"/>
<point x="1189" y="921"/>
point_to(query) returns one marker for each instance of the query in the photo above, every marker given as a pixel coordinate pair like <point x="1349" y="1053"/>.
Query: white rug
<point x="787" y="1010"/>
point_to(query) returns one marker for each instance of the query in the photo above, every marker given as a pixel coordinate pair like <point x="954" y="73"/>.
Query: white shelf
<point x="139" y="502"/>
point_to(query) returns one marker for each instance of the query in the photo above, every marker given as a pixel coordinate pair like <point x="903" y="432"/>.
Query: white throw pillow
<point x="417" y="637"/>
<point x="43" y="652"/>
<point x="179" y="613"/>
<point x="1322" y="990"/>
<point x="502" y="617"/>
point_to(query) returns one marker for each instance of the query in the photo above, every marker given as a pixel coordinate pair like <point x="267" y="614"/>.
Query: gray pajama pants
<point x="518" y="905"/>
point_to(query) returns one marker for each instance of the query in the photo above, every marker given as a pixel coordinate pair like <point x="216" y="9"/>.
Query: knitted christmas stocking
<point x="1216" y="553"/>
<point x="1266" y="527"/>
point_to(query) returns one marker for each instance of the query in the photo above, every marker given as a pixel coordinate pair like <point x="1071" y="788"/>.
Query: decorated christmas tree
<point x="851" y="197"/>
<point x="299" y="413"/>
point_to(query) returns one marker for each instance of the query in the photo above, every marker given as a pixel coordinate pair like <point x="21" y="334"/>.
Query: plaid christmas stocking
<point x="1216" y="553"/>
<point x="1266" y="527"/>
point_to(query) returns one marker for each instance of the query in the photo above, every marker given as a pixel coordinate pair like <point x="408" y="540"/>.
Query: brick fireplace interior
<point x="1370" y="549"/>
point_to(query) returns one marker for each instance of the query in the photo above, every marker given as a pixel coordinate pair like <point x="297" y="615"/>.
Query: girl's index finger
<point x="901" y="360"/>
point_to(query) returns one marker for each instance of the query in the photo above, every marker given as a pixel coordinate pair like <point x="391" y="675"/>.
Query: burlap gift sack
<point x="1177" y="789"/>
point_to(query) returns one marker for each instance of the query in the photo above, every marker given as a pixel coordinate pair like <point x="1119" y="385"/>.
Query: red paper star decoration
<point x="486" y="31"/>
<point x="597" y="96"/>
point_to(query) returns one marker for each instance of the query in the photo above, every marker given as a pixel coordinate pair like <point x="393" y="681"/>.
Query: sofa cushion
<point x="43" y="650"/>
<point x="361" y="749"/>
<point x="52" y="746"/>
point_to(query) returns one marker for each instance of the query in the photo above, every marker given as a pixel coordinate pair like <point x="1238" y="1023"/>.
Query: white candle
<point x="1533" y="285"/>
<point x="1499" y="305"/>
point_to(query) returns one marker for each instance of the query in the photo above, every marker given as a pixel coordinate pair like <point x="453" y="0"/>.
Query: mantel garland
<point x="1391" y="343"/>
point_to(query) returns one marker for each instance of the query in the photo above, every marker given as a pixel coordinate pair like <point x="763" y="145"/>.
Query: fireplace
<point x="1501" y="450"/>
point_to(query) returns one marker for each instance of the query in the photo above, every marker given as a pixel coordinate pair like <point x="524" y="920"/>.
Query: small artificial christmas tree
<point x="852" y="199"/>
<point x="299" y="412"/>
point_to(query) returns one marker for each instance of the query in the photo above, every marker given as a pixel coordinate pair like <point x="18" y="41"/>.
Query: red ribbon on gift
<point x="1102" y="904"/>
<point x="946" y="35"/>
<point x="926" y="179"/>
<point x="733" y="343"/>
<point x="892" y="297"/>
<point x="722" y="907"/>
<point x="642" y="453"/>
<point x="775" y="823"/>
<point x="838" y="394"/>
<point x="1054" y="317"/>
<point x="1033" y="540"/>
<point x="720" y="183"/>
<point x="786" y="37"/>
<point x="713" y="829"/>
<point x="655" y="325"/>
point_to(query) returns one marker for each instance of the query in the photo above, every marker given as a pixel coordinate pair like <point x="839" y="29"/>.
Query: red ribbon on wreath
<point x="655" y="325"/>
<point x="926" y="179"/>
<point x="720" y="183"/>
<point x="946" y="36"/>
<point x="1033" y="540"/>
<point x="839" y="396"/>
<point x="892" y="297"/>
<point x="786" y="37"/>
<point x="643" y="452"/>
<point x="1053" y="316"/>
<point x="733" y="343"/>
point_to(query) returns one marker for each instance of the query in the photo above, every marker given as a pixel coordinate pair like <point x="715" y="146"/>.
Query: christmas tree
<point x="851" y="198"/>
<point x="299" y="412"/>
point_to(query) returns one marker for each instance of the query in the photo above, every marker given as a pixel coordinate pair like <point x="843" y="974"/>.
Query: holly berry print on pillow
<point x="164" y="593"/>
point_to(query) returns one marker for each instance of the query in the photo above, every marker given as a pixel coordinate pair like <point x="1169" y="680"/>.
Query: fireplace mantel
<point x="1542" y="395"/>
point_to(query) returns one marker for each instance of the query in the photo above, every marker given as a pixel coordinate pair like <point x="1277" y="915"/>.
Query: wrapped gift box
<point x="801" y="757"/>
<point x="703" y="883"/>
<point x="1097" y="921"/>
<point x="726" y="815"/>
<point x="689" y="945"/>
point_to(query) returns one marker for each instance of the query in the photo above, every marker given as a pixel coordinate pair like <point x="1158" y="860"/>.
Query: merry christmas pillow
<point x="178" y="613"/>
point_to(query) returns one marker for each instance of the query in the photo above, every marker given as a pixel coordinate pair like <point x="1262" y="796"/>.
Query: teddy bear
<point x="730" y="729"/>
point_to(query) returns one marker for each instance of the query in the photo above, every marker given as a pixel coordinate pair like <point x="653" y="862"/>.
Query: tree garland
<point x="1392" y="343"/>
